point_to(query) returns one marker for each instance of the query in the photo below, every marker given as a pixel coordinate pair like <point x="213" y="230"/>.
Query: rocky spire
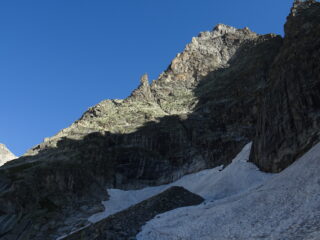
<point x="144" y="80"/>
<point x="143" y="92"/>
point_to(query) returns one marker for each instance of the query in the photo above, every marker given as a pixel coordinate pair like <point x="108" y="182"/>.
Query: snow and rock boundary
<point x="286" y="206"/>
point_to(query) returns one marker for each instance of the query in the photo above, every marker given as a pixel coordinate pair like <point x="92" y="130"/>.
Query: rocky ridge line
<point x="171" y="94"/>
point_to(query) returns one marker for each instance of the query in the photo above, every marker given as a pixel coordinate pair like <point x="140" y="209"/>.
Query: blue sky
<point x="59" y="57"/>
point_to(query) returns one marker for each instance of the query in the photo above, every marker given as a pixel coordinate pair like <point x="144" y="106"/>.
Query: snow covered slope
<point x="212" y="184"/>
<point x="287" y="206"/>
<point x="5" y="154"/>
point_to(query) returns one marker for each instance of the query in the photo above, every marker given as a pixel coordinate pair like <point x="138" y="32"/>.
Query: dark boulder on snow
<point x="126" y="224"/>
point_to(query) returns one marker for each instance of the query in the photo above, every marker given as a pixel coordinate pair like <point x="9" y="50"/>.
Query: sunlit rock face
<point x="5" y="154"/>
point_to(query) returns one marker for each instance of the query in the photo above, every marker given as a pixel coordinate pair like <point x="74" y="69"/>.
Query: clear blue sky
<point x="59" y="57"/>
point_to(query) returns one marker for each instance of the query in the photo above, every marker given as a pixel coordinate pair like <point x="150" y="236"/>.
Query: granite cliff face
<point x="5" y="154"/>
<point x="228" y="87"/>
<point x="289" y="116"/>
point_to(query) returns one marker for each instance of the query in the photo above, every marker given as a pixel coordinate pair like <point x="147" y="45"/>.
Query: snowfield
<point x="212" y="184"/>
<point x="286" y="206"/>
<point x="240" y="203"/>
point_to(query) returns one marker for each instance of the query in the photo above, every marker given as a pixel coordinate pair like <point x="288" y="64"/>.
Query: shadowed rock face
<point x="126" y="224"/>
<point x="5" y="154"/>
<point x="289" y="119"/>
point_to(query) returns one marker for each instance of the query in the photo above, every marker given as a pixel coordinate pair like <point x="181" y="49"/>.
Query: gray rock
<point x="289" y="116"/>
<point x="143" y="92"/>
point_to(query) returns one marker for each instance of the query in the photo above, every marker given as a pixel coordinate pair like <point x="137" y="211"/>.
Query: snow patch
<point x="212" y="184"/>
<point x="286" y="206"/>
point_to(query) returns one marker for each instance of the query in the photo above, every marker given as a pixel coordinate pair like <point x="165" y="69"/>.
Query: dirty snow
<point x="212" y="184"/>
<point x="286" y="206"/>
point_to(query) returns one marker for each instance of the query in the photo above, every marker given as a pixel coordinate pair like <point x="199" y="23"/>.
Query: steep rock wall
<point x="289" y="116"/>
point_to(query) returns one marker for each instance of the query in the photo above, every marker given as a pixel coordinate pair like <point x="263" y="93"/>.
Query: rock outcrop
<point x="289" y="116"/>
<point x="126" y="224"/>
<point x="5" y="154"/>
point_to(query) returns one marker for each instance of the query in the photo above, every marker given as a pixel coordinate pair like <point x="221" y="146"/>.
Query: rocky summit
<point x="227" y="88"/>
<point x="5" y="154"/>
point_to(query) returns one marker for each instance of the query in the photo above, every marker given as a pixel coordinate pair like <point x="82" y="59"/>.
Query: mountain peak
<point x="223" y="28"/>
<point x="299" y="5"/>
<point x="5" y="154"/>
